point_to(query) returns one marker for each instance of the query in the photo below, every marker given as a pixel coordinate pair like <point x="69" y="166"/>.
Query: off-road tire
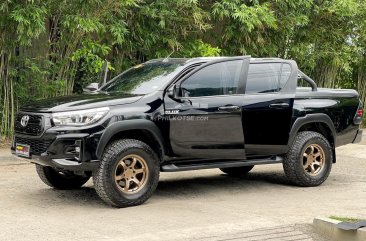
<point x="237" y="171"/>
<point x="58" y="180"/>
<point x="293" y="162"/>
<point x="103" y="177"/>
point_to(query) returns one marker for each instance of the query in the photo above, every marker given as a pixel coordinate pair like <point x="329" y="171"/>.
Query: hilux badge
<point x="24" y="120"/>
<point x="171" y="112"/>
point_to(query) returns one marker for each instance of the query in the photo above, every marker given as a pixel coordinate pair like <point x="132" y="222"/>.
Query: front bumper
<point x="62" y="164"/>
<point x="358" y="137"/>
<point x="69" y="151"/>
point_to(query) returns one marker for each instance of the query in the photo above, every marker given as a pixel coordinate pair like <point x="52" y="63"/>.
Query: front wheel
<point x="128" y="173"/>
<point x="60" y="180"/>
<point x="309" y="160"/>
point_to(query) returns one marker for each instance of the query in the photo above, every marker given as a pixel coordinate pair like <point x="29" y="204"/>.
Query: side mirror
<point x="91" y="87"/>
<point x="173" y="92"/>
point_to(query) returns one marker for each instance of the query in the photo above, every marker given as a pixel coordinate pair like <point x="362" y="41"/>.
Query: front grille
<point x="37" y="146"/>
<point x="34" y="126"/>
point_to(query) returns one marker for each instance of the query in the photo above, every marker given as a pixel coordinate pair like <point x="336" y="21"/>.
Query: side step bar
<point x="188" y="166"/>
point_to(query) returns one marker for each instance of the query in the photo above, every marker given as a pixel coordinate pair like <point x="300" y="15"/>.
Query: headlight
<point x="79" y="118"/>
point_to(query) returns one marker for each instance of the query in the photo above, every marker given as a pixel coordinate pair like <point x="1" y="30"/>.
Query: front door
<point x="206" y="121"/>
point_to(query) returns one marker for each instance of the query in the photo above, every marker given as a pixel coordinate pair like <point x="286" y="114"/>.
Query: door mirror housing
<point x="173" y="92"/>
<point x="91" y="87"/>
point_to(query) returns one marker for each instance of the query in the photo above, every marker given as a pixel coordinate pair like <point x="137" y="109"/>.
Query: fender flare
<point x="125" y="125"/>
<point x="312" y="118"/>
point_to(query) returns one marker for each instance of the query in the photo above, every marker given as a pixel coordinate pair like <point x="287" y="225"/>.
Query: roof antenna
<point x="167" y="57"/>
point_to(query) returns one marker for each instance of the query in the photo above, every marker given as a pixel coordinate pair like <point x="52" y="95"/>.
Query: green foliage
<point x="198" y="48"/>
<point x="29" y="20"/>
<point x="51" y="48"/>
<point x="238" y="20"/>
<point x="91" y="54"/>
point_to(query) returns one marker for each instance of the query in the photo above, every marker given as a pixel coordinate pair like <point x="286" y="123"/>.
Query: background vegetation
<point x="51" y="48"/>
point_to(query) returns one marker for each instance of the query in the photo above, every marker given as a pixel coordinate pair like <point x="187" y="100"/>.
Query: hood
<point x="80" y="102"/>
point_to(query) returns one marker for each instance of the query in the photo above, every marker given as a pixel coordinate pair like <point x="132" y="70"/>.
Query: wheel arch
<point x="141" y="129"/>
<point x="320" y="123"/>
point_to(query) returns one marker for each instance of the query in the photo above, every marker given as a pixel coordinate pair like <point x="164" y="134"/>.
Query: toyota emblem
<point x="24" y="120"/>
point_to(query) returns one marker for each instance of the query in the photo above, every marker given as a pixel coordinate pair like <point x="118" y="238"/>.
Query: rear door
<point x="206" y="121"/>
<point x="268" y="104"/>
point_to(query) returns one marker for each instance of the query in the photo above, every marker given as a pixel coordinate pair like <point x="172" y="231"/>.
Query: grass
<point x="346" y="219"/>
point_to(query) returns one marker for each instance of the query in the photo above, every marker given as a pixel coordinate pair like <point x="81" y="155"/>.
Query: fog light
<point x="78" y="150"/>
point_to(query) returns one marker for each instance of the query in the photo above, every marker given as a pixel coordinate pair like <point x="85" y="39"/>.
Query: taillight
<point x="358" y="116"/>
<point x="359" y="112"/>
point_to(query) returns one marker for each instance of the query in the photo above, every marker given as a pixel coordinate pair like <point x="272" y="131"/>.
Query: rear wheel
<point x="60" y="180"/>
<point x="128" y="173"/>
<point x="237" y="171"/>
<point x="309" y="161"/>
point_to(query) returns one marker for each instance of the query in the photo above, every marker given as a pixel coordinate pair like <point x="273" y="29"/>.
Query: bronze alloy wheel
<point x="313" y="159"/>
<point x="131" y="174"/>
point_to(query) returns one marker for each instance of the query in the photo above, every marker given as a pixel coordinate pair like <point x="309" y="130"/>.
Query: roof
<point x="206" y="59"/>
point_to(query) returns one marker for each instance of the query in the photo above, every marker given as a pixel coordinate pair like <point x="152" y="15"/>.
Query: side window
<point x="267" y="77"/>
<point x="285" y="75"/>
<point x="216" y="79"/>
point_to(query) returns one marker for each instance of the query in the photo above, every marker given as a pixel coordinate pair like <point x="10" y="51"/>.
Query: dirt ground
<point x="197" y="205"/>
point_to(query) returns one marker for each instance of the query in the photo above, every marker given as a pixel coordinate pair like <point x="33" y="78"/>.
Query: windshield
<point x="143" y="78"/>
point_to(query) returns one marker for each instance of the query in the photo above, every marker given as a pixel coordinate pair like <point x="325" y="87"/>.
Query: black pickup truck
<point x="170" y="115"/>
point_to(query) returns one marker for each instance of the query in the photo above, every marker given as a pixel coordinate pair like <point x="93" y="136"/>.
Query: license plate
<point x="22" y="150"/>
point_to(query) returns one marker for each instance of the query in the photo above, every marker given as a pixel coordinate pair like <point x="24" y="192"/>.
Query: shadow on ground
<point x="182" y="188"/>
<point x="219" y="183"/>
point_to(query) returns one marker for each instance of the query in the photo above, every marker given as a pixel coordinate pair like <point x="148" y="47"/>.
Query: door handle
<point x="229" y="108"/>
<point x="279" y="105"/>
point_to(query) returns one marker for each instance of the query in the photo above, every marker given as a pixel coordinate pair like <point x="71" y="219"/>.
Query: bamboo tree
<point x="48" y="47"/>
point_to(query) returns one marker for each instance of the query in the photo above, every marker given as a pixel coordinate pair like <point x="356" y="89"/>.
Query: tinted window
<point x="285" y="75"/>
<point x="144" y="78"/>
<point x="216" y="79"/>
<point x="267" y="77"/>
